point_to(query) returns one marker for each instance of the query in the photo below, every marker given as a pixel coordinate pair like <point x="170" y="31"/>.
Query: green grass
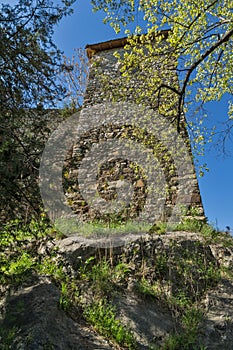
<point x="102" y="277"/>
<point x="7" y="337"/>
<point x="186" y="337"/>
<point x="100" y="227"/>
<point x="18" y="256"/>
<point x="102" y="316"/>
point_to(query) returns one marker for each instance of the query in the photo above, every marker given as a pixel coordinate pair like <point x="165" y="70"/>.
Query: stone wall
<point x="104" y="87"/>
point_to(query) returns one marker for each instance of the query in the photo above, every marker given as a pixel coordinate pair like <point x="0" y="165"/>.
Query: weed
<point x="180" y="300"/>
<point x="7" y="337"/>
<point x="103" y="227"/>
<point x="147" y="289"/>
<point x="186" y="338"/>
<point x="68" y="286"/>
<point x="103" y="317"/>
<point x="51" y="267"/>
<point x="16" y="269"/>
<point x="209" y="233"/>
<point x="85" y="268"/>
<point x="161" y="264"/>
<point x="100" y="275"/>
<point x="191" y="319"/>
<point x="121" y="272"/>
<point x="65" y="301"/>
<point x="159" y="228"/>
<point x="180" y="278"/>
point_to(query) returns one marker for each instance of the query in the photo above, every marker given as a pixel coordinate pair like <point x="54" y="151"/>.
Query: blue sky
<point x="85" y="27"/>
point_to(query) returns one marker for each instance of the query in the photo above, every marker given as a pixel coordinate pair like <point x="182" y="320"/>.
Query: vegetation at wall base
<point x="178" y="278"/>
<point x="102" y="315"/>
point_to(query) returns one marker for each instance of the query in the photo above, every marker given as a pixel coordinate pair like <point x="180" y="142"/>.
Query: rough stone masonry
<point x="116" y="170"/>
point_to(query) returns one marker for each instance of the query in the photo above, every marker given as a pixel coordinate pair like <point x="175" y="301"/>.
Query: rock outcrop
<point x="33" y="314"/>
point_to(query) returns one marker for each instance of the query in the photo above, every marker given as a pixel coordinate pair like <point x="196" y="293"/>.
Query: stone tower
<point x="181" y="188"/>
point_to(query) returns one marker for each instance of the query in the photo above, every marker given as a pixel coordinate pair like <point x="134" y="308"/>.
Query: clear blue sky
<point x="85" y="27"/>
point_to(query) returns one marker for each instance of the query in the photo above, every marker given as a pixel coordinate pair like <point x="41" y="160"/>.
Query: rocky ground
<point x="33" y="314"/>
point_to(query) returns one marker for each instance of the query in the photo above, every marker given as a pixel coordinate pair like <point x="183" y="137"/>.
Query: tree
<point x="73" y="76"/>
<point x="29" y="60"/>
<point x="199" y="37"/>
<point x="29" y="65"/>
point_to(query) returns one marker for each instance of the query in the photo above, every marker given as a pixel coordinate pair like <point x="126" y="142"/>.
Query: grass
<point x="18" y="256"/>
<point x="7" y="337"/>
<point x="100" y="227"/>
<point x="187" y="336"/>
<point x="180" y="276"/>
<point x="104" y="278"/>
<point x="102" y="316"/>
<point x="190" y="222"/>
<point x="208" y="232"/>
<point x="147" y="289"/>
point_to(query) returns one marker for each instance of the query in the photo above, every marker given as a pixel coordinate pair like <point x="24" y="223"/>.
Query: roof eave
<point x="92" y="49"/>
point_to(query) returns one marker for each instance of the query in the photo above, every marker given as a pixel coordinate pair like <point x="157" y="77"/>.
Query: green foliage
<point x="121" y="9"/>
<point x="191" y="319"/>
<point x="121" y="272"/>
<point x="102" y="227"/>
<point x="100" y="275"/>
<point x="190" y="224"/>
<point x="181" y="275"/>
<point x="181" y="278"/>
<point x="198" y="48"/>
<point x="51" y="266"/>
<point x="7" y="337"/>
<point x="180" y="300"/>
<point x="187" y="336"/>
<point x="103" y="317"/>
<point x="23" y="135"/>
<point x="29" y="58"/>
<point x="161" y="263"/>
<point x="19" y="266"/>
<point x="103" y="276"/>
<point x="29" y="62"/>
<point x="65" y="301"/>
<point x="147" y="289"/>
<point x="16" y="232"/>
<point x="18" y="256"/>
<point x="159" y="228"/>
<point x="68" y="110"/>
<point x="210" y="234"/>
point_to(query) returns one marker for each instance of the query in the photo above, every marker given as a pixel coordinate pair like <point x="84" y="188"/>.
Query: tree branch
<point x="221" y="41"/>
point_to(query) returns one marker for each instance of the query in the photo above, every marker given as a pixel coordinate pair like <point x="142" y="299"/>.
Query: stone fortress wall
<point x="114" y="172"/>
